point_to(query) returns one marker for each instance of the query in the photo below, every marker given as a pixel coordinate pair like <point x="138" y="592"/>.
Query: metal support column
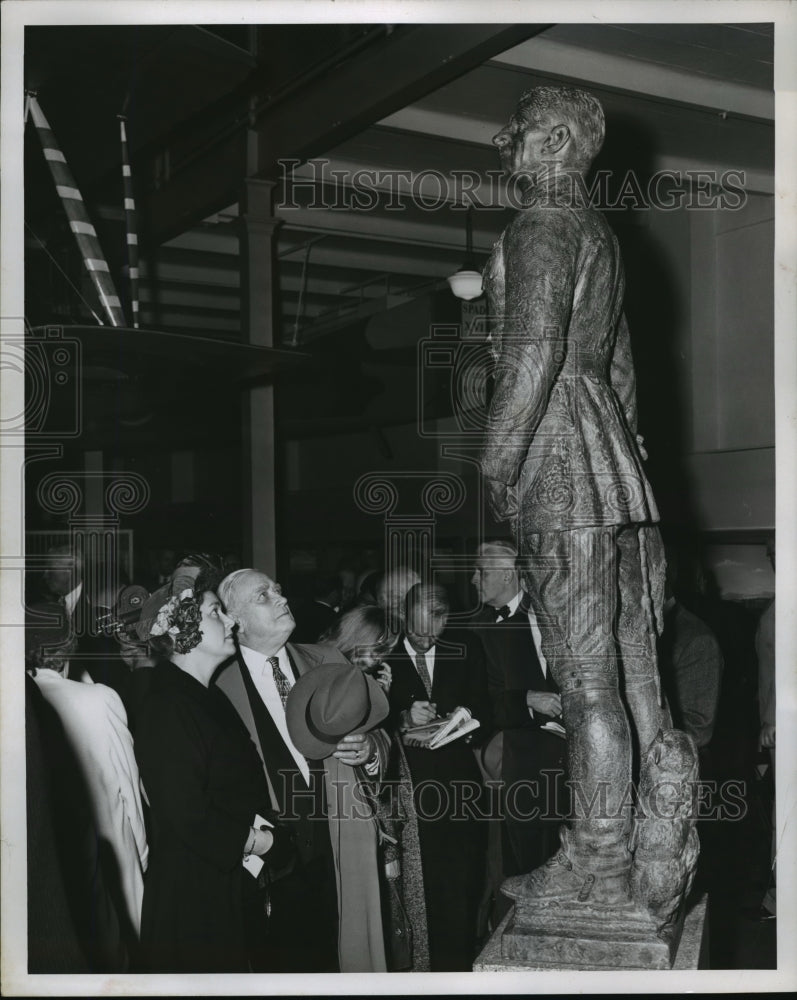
<point x="258" y="310"/>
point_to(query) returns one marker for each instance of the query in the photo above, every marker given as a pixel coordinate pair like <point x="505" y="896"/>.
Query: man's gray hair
<point x="578" y="109"/>
<point x="393" y="586"/>
<point x="229" y="586"/>
<point x="500" y="553"/>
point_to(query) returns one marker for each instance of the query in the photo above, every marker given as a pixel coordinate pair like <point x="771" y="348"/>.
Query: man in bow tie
<point x="524" y="698"/>
<point x="305" y="894"/>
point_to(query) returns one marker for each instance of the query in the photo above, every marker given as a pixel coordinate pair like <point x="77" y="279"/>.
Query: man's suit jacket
<point x="459" y="680"/>
<point x="513" y="668"/>
<point x="290" y="796"/>
<point x="349" y="843"/>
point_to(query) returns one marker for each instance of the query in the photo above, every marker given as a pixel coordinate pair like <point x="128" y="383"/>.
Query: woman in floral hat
<point x="211" y="821"/>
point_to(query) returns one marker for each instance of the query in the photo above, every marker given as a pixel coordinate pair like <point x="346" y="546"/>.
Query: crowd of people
<point x="221" y="781"/>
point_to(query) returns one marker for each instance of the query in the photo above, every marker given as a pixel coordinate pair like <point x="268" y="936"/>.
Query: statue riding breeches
<point x="598" y="596"/>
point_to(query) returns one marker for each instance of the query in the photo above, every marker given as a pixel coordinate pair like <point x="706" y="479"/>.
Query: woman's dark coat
<point x="205" y="784"/>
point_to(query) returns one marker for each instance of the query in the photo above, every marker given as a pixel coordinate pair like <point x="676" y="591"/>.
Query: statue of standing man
<point x="563" y="463"/>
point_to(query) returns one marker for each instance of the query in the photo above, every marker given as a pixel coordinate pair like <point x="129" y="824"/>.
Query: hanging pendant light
<point x="467" y="282"/>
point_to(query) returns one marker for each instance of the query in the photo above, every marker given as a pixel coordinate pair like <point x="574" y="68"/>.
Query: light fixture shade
<point x="466" y="284"/>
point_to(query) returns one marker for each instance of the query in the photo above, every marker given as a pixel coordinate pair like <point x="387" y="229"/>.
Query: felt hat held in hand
<point x="331" y="702"/>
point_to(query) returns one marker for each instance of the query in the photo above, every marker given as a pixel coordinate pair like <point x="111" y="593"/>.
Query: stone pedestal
<point x="526" y="943"/>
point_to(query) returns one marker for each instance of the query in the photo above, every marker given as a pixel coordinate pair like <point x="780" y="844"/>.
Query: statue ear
<point x="557" y="139"/>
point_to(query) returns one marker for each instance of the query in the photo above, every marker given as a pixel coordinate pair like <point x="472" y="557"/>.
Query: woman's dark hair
<point x="210" y="576"/>
<point x="161" y="647"/>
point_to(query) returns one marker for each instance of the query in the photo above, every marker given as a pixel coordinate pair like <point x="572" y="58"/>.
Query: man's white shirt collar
<point x="258" y="663"/>
<point x="514" y="604"/>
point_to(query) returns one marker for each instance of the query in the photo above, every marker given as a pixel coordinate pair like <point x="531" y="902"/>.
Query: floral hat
<point x="180" y="618"/>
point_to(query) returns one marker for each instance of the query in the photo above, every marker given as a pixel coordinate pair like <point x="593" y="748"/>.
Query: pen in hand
<point x="422" y="712"/>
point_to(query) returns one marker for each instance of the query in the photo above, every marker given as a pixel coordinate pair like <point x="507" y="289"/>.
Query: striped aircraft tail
<point x="78" y="216"/>
<point x="131" y="224"/>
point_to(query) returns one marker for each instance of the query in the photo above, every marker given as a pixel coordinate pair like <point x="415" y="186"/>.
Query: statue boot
<point x="594" y="860"/>
<point x="565" y="878"/>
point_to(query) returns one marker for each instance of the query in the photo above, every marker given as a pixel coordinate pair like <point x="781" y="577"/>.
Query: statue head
<point x="551" y="128"/>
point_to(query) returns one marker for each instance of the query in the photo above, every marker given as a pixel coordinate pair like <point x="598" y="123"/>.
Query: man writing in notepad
<point x="435" y="670"/>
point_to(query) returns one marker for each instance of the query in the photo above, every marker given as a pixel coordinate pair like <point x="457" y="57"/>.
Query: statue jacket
<point x="561" y="425"/>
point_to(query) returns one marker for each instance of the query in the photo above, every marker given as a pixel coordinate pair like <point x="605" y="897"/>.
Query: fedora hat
<point x="330" y="702"/>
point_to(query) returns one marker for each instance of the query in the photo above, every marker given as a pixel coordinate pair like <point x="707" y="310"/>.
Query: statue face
<point x="520" y="148"/>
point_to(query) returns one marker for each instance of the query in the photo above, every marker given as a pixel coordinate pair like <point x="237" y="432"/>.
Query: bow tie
<point x="502" y="612"/>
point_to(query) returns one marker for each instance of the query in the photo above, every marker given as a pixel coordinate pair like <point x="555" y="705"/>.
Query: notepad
<point x="440" y="732"/>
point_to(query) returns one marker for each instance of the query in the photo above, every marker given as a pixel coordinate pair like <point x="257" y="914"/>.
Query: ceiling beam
<point x="646" y="79"/>
<point x="397" y="71"/>
<point x="443" y="229"/>
<point x="391" y="73"/>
